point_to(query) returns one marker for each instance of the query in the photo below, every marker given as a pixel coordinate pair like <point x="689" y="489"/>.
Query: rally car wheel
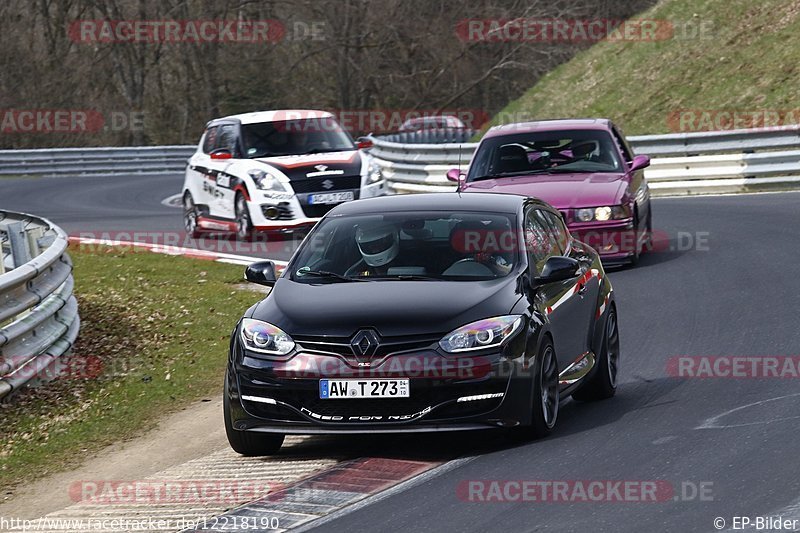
<point x="248" y="443"/>
<point x="190" y="215"/>
<point x="243" y="224"/>
<point x="604" y="381"/>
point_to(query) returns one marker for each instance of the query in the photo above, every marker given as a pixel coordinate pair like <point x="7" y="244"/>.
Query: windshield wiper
<point x="407" y="277"/>
<point x="326" y="150"/>
<point x="325" y="274"/>
<point x="512" y="174"/>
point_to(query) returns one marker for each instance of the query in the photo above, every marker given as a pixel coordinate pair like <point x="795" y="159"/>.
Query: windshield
<point x="457" y="246"/>
<point x="543" y="152"/>
<point x="295" y="137"/>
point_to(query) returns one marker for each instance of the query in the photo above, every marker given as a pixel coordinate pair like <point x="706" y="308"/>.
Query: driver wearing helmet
<point x="379" y="246"/>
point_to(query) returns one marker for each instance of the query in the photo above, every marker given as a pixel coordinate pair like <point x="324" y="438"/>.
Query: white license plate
<point x="333" y="389"/>
<point x="331" y="197"/>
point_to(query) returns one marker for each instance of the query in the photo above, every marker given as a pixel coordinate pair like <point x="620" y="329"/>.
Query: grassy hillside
<point x="747" y="61"/>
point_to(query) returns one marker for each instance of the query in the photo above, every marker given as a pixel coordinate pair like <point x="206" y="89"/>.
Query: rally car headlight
<point x="264" y="337"/>
<point x="601" y="214"/>
<point x="481" y="334"/>
<point x="375" y="174"/>
<point x="266" y="181"/>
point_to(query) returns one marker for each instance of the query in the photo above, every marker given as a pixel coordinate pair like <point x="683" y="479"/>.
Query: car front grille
<point x="340" y="183"/>
<point x="387" y="346"/>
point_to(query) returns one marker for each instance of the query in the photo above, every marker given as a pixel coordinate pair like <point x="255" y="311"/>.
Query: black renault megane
<point x="423" y="313"/>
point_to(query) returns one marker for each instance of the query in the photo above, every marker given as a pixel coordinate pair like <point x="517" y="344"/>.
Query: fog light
<point x="271" y="212"/>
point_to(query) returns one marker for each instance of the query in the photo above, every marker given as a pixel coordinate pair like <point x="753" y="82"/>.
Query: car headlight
<point x="603" y="213"/>
<point x="481" y="334"/>
<point x="375" y="174"/>
<point x="266" y="181"/>
<point x="263" y="337"/>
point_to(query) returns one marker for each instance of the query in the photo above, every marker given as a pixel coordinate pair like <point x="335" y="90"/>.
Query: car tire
<point x="244" y="226"/>
<point x="190" y="216"/>
<point x="248" y="443"/>
<point x="546" y="398"/>
<point x="637" y="250"/>
<point x="648" y="243"/>
<point x="603" y="383"/>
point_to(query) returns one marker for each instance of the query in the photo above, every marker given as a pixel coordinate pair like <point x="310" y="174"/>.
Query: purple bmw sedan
<point x="583" y="167"/>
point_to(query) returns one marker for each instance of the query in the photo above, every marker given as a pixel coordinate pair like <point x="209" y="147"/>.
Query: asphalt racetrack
<point x="724" y="281"/>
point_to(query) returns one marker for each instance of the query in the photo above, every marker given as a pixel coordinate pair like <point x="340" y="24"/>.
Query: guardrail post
<point x="34" y="234"/>
<point x="19" y="246"/>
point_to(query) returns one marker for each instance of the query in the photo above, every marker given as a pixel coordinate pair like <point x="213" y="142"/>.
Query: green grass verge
<point x="747" y="62"/>
<point x="159" y="325"/>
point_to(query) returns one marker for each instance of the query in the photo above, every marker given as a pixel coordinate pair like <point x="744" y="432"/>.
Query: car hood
<point x="393" y="308"/>
<point x="330" y="164"/>
<point x="562" y="191"/>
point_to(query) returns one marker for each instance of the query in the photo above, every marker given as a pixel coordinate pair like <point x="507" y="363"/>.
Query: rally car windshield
<point x="295" y="137"/>
<point x="415" y="246"/>
<point x="545" y="152"/>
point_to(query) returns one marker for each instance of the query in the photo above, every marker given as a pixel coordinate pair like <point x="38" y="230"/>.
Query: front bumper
<point x="614" y="240"/>
<point x="446" y="393"/>
<point x="295" y="213"/>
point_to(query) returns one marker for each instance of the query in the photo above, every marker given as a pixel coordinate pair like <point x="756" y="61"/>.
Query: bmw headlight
<point x="481" y="334"/>
<point x="375" y="174"/>
<point x="603" y="213"/>
<point x="584" y="215"/>
<point x="266" y="181"/>
<point x="264" y="337"/>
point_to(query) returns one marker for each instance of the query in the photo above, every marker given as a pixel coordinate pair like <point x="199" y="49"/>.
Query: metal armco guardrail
<point x="39" y="319"/>
<point x="48" y="162"/>
<point x="684" y="163"/>
<point x="412" y="168"/>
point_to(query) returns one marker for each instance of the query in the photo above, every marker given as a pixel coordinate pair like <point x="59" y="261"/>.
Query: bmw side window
<point x="210" y="140"/>
<point x="622" y="147"/>
<point x="227" y="139"/>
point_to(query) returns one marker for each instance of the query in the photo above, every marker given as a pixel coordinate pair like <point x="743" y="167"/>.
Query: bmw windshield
<point x="457" y="246"/>
<point x="295" y="137"/>
<point x="543" y="152"/>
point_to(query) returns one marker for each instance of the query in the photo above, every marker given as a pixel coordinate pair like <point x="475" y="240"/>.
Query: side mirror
<point x="557" y="268"/>
<point x="639" y="162"/>
<point x="455" y="174"/>
<point x="262" y="273"/>
<point x="221" y="154"/>
<point x="364" y="143"/>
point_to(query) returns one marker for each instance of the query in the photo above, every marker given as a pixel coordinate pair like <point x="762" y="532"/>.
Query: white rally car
<point x="274" y="171"/>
